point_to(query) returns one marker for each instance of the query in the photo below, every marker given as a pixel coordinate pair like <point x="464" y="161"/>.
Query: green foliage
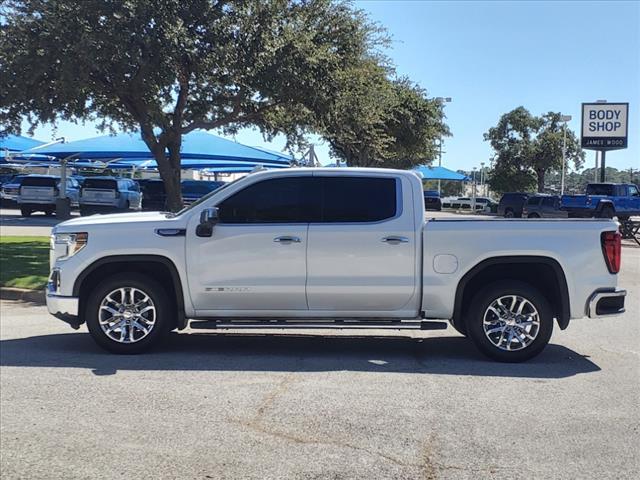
<point x="527" y="147"/>
<point x="165" y="68"/>
<point x="24" y="262"/>
<point x="376" y="121"/>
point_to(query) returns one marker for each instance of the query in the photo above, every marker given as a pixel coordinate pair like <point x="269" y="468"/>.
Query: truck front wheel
<point x="510" y="321"/>
<point x="128" y="313"/>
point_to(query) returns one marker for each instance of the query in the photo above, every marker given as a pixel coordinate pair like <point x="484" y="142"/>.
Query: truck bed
<point x="452" y="247"/>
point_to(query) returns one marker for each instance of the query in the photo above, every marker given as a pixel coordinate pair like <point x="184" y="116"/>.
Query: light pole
<point x="565" y="119"/>
<point x="441" y="101"/>
<point x="482" y="177"/>
<point x="473" y="192"/>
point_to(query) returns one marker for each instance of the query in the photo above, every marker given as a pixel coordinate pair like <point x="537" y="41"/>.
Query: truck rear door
<point x="361" y="255"/>
<point x="99" y="191"/>
<point x="41" y="190"/>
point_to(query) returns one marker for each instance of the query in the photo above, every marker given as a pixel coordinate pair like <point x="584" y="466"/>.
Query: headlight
<point x="66" y="245"/>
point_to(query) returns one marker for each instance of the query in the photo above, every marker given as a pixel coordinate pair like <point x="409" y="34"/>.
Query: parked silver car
<point x="40" y="192"/>
<point x="543" y="206"/>
<point x="108" y="194"/>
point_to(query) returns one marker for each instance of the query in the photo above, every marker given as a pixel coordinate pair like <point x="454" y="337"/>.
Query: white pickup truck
<point x="330" y="248"/>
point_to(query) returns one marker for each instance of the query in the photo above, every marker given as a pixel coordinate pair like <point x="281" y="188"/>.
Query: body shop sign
<point x="604" y="126"/>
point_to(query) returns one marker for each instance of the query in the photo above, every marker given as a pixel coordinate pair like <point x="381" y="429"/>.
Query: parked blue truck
<point x="604" y="200"/>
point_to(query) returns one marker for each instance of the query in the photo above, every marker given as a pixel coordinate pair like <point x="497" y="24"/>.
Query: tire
<point x="508" y="213"/>
<point x="159" y="320"/>
<point x="515" y="347"/>
<point x="84" y="211"/>
<point x="25" y="212"/>
<point x="606" y="212"/>
<point x="48" y="212"/>
<point x="533" y="215"/>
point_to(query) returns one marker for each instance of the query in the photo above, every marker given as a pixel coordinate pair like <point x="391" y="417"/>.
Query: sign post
<point x="605" y="127"/>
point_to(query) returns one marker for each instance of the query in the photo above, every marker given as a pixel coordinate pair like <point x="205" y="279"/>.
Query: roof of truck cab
<point x="344" y="170"/>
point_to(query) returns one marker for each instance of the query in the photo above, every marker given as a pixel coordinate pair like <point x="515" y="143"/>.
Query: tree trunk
<point x="172" y="179"/>
<point x="168" y="166"/>
<point x="540" y="172"/>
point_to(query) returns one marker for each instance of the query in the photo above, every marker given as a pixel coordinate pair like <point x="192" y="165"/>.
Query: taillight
<point x="611" y="249"/>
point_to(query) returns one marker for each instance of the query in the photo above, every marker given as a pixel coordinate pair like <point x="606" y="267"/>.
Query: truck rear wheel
<point x="25" y="212"/>
<point x="510" y="321"/>
<point x="128" y="313"/>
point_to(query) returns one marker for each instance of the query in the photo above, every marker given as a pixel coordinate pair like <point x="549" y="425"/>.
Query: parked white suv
<point x="109" y="194"/>
<point x="330" y="248"/>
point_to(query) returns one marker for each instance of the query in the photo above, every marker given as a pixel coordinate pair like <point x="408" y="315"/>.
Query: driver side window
<point x="277" y="200"/>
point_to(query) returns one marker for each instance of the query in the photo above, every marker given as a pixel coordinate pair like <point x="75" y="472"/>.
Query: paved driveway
<point x="247" y="405"/>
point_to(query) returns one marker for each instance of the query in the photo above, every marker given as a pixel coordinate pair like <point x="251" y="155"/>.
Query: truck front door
<point x="255" y="260"/>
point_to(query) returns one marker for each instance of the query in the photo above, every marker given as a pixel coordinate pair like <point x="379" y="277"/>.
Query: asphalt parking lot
<point x="313" y="406"/>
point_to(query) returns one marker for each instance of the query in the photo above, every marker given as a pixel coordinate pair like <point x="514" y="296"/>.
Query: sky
<point x="491" y="57"/>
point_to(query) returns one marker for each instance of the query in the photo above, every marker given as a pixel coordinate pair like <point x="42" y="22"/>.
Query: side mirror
<point x="208" y="219"/>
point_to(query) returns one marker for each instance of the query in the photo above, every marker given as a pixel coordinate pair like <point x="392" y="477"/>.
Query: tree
<point x="527" y="147"/>
<point x="376" y="121"/>
<point x="168" y="68"/>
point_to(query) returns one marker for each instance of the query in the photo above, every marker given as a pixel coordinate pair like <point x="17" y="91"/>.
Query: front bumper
<point x="64" y="308"/>
<point x="605" y="303"/>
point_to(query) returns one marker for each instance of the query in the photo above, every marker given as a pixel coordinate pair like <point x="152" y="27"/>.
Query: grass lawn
<point x="24" y="262"/>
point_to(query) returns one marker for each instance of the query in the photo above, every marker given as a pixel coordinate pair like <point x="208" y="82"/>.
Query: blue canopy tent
<point x="440" y="173"/>
<point x="12" y="144"/>
<point x="195" y="146"/>
<point x="17" y="143"/>
<point x="186" y="163"/>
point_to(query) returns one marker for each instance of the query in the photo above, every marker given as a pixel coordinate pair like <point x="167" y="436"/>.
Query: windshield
<point x="207" y="196"/>
<point x="39" y="182"/>
<point x="100" y="183"/>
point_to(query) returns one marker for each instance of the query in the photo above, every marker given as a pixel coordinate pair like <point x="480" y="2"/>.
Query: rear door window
<point x="100" y="183"/>
<point x="358" y="199"/>
<point x="533" y="201"/>
<point x="548" y="202"/>
<point x="39" y="182"/>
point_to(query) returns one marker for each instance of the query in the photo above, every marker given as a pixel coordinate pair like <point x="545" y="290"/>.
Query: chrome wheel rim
<point x="511" y="322"/>
<point x="127" y="315"/>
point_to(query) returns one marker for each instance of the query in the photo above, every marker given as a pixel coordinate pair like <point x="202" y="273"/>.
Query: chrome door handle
<point x="287" y="239"/>
<point x="394" y="240"/>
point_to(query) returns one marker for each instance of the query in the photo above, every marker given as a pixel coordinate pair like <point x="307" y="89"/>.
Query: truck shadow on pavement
<point x="291" y="353"/>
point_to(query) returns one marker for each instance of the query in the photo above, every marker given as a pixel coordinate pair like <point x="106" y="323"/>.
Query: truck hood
<point x="76" y="224"/>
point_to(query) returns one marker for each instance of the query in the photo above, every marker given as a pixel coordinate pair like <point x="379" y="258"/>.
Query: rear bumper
<point x="605" y="303"/>
<point x="96" y="204"/>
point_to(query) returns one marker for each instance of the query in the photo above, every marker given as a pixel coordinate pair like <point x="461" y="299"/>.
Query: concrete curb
<point x="22" y="294"/>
